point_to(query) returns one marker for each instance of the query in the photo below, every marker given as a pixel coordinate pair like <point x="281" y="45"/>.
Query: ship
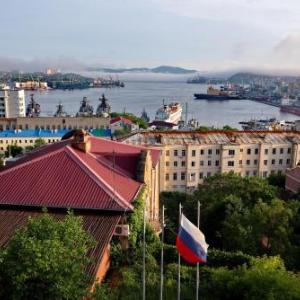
<point x="169" y="113"/>
<point x="60" y="112"/>
<point x="85" y="110"/>
<point x="291" y="109"/>
<point x="33" y="109"/>
<point x="218" y="94"/>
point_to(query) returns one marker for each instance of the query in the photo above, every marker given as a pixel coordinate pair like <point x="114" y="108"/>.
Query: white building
<point x="12" y="103"/>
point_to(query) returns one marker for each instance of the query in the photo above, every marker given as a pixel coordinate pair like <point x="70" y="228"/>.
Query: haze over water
<point x="149" y="95"/>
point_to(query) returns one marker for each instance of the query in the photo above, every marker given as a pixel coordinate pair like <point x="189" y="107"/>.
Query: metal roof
<point x="61" y="176"/>
<point x="32" y="133"/>
<point x="213" y="137"/>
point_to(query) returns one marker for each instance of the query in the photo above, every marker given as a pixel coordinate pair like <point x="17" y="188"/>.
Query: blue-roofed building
<point x="104" y="133"/>
<point x="25" y="138"/>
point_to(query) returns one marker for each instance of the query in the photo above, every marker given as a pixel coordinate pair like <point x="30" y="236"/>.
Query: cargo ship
<point x="218" y="94"/>
<point x="170" y="113"/>
<point x="291" y="109"/>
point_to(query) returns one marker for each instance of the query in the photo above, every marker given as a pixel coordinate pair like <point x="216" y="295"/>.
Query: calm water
<point x="149" y="95"/>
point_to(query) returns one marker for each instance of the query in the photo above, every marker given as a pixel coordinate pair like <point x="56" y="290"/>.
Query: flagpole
<point x="197" y="276"/>
<point x="162" y="254"/>
<point x="178" y="284"/>
<point x="144" y="253"/>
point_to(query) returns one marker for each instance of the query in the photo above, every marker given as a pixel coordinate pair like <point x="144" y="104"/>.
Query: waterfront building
<point x="31" y="85"/>
<point x="96" y="178"/>
<point x="54" y="123"/>
<point x="12" y="103"/>
<point x="189" y="157"/>
<point x="27" y="138"/>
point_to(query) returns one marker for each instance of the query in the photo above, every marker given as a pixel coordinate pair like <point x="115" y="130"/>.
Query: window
<point x="288" y="161"/>
<point x="183" y="163"/>
<point x="274" y="151"/>
<point x="201" y="163"/>
<point x="255" y="161"/>
<point x="167" y="163"/>
<point x="240" y="162"/>
<point x="230" y="163"/>
<point x="241" y="150"/>
<point x="175" y="152"/>
<point x="248" y="151"/>
<point x="289" y="150"/>
<point x="247" y="173"/>
<point x="265" y="162"/>
<point x="266" y="151"/>
<point x="280" y="161"/>
<point x="182" y="176"/>
<point x="256" y="151"/>
<point x="281" y="150"/>
<point x="193" y="164"/>
<point x="167" y="176"/>
<point x="273" y="162"/>
<point x="231" y="152"/>
<point x="208" y="174"/>
<point x="193" y="152"/>
<point x="174" y="176"/>
<point x="209" y="162"/>
<point x="192" y="176"/>
<point x="217" y="163"/>
<point x="248" y="162"/>
<point x="183" y="152"/>
<point x="209" y="152"/>
<point x="265" y="174"/>
<point x="217" y="151"/>
<point x="175" y="163"/>
<point x="200" y="175"/>
<point x="202" y="151"/>
<point x="254" y="173"/>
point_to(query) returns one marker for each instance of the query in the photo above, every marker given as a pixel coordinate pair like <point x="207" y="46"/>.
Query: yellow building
<point x="188" y="157"/>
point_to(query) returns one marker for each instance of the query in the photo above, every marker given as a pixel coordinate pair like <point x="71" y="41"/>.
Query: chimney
<point x="81" y="141"/>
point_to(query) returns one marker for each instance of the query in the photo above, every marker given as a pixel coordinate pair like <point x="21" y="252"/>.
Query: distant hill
<point x="160" y="69"/>
<point x="251" y="77"/>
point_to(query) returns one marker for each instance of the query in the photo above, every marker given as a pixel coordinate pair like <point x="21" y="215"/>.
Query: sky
<point x="207" y="35"/>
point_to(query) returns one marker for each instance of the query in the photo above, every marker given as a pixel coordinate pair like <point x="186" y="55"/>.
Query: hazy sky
<point x="202" y="34"/>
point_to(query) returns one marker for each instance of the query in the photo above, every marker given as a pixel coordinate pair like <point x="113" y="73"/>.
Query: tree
<point x="13" y="150"/>
<point x="39" y="142"/>
<point x="47" y="260"/>
<point x="266" y="278"/>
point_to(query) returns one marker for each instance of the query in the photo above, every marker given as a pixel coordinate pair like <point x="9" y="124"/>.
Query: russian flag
<point x="190" y="242"/>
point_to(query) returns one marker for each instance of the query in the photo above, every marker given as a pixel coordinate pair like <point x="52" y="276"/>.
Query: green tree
<point x="13" y="150"/>
<point x="47" y="260"/>
<point x="39" y="142"/>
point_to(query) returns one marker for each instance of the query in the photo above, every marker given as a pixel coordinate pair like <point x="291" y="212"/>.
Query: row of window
<point x="230" y="151"/>
<point x="230" y="163"/>
<point x="53" y="127"/>
<point x="202" y="175"/>
<point x="27" y="141"/>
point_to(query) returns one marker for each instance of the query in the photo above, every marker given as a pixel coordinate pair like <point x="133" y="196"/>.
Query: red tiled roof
<point x="121" y="119"/>
<point x="101" y="227"/>
<point x="61" y="176"/>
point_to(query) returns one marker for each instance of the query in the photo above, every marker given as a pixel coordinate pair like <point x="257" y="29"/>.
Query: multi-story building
<point x="189" y="157"/>
<point x="55" y="123"/>
<point x="12" y="103"/>
<point x="27" y="138"/>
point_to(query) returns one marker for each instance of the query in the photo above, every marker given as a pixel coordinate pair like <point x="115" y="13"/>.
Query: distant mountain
<point x="251" y="77"/>
<point x="160" y="69"/>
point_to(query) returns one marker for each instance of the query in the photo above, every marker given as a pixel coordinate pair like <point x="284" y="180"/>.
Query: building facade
<point x="54" y="123"/>
<point x="187" y="158"/>
<point x="12" y="103"/>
